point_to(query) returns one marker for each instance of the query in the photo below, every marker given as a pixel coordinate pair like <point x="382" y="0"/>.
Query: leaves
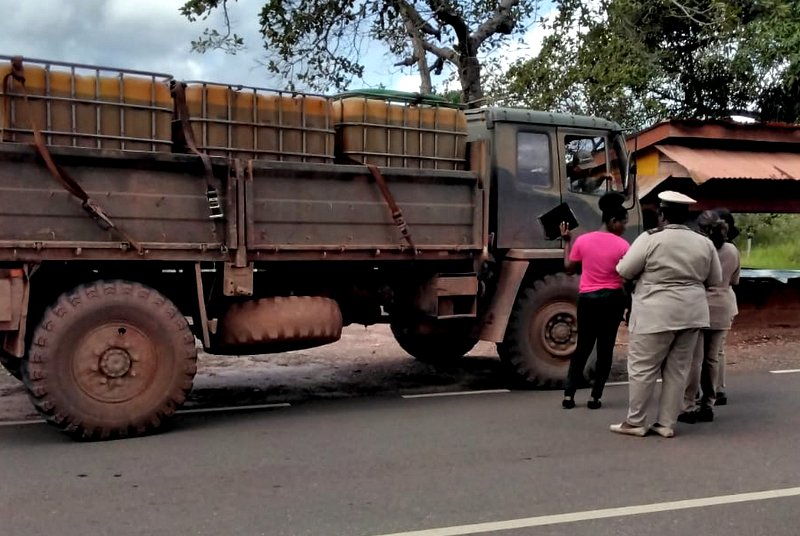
<point x="638" y="61"/>
<point x="322" y="43"/>
<point x="212" y="39"/>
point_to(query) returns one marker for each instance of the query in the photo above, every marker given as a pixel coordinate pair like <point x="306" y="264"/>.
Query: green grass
<point x="784" y="256"/>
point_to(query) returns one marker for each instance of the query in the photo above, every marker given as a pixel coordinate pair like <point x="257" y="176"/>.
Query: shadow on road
<point x="387" y="377"/>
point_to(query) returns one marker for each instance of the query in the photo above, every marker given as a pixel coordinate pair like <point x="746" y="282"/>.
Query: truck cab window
<point x="533" y="159"/>
<point x="592" y="166"/>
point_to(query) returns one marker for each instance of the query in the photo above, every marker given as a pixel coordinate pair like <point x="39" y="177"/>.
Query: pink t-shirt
<point x="598" y="252"/>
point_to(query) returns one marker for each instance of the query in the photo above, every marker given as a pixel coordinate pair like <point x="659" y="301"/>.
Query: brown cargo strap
<point x="183" y="136"/>
<point x="397" y="214"/>
<point x="72" y="186"/>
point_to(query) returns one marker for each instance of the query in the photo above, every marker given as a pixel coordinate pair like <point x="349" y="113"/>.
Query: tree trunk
<point x="469" y="73"/>
<point x="425" y="83"/>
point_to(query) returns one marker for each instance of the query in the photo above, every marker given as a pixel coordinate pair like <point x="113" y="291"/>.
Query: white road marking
<point x="21" y="423"/>
<point x="179" y="412"/>
<point x="605" y="513"/>
<point x="232" y="408"/>
<point x="786" y="371"/>
<point x="614" y="384"/>
<point x="458" y="393"/>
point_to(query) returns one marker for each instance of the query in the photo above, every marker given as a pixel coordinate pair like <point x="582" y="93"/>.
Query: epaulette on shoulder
<point x="655" y="230"/>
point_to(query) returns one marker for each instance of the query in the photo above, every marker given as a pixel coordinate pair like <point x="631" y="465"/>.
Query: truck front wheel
<point x="542" y="331"/>
<point x="110" y="359"/>
<point x="434" y="341"/>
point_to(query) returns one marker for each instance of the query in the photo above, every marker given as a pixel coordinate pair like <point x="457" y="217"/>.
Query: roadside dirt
<point x="367" y="362"/>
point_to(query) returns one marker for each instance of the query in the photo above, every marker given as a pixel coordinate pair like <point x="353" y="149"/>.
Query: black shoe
<point x="594" y="403"/>
<point x="705" y="414"/>
<point x="689" y="417"/>
<point x="568" y="402"/>
<point x="722" y="400"/>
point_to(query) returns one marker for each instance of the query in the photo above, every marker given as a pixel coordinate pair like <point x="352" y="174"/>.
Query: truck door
<point x="592" y="163"/>
<point x="526" y="184"/>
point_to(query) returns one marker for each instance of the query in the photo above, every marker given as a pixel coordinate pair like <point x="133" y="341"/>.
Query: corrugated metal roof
<point x="781" y="275"/>
<point x="705" y="164"/>
<point x="714" y="130"/>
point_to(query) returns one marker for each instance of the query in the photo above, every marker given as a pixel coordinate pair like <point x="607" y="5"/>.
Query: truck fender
<point x="495" y="320"/>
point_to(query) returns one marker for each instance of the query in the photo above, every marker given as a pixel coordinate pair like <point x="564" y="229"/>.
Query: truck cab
<point x="543" y="161"/>
<point x="540" y="160"/>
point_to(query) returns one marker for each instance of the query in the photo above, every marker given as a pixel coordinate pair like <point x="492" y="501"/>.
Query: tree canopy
<point x="638" y="61"/>
<point x="322" y="43"/>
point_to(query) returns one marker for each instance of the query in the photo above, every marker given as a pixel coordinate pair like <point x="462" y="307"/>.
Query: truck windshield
<point x="595" y="164"/>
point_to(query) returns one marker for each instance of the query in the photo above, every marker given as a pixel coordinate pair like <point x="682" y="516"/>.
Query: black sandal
<point x="594" y="403"/>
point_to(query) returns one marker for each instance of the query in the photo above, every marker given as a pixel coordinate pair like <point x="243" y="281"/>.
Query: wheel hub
<point x="115" y="362"/>
<point x="557" y="328"/>
<point x="560" y="330"/>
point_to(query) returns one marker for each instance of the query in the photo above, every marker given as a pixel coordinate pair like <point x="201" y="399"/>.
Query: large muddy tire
<point x="12" y="364"/>
<point x="280" y="324"/>
<point x="542" y="331"/>
<point x="434" y="342"/>
<point x="110" y="359"/>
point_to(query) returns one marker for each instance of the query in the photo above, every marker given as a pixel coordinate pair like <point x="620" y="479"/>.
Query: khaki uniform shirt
<point x="672" y="266"/>
<point x="721" y="299"/>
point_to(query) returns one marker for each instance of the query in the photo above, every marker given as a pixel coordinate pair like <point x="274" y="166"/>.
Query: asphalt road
<point x="389" y="465"/>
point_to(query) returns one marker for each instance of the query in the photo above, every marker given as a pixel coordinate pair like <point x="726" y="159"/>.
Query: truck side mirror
<point x="630" y="187"/>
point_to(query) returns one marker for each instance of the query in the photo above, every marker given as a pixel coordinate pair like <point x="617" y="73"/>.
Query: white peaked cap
<point x="676" y="198"/>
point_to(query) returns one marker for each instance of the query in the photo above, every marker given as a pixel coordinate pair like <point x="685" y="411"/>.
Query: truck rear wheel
<point x="542" y="331"/>
<point x="110" y="359"/>
<point x="432" y="341"/>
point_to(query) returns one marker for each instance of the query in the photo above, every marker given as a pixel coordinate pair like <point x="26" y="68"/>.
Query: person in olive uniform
<point x="672" y="266"/>
<point x="704" y="375"/>
<point x="733" y="232"/>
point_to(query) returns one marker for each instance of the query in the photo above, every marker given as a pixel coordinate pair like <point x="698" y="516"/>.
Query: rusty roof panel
<point x="714" y="131"/>
<point x="705" y="164"/>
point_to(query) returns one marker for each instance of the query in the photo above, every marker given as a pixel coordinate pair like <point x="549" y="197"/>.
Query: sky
<point x="152" y="35"/>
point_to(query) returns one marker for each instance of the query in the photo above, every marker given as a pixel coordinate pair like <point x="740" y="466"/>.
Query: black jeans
<point x="599" y="315"/>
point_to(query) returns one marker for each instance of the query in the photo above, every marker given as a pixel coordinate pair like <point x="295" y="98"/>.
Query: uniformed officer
<point x="672" y="266"/>
<point x="733" y="232"/>
<point x="704" y="373"/>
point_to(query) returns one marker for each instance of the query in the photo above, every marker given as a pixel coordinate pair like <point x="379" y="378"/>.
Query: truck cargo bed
<point x="278" y="210"/>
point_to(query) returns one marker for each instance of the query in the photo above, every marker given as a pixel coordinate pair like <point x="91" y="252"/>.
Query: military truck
<point x="140" y="214"/>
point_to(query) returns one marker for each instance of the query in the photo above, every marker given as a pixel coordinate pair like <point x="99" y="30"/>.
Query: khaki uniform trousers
<point x="722" y="363"/>
<point x="667" y="354"/>
<point x="704" y="374"/>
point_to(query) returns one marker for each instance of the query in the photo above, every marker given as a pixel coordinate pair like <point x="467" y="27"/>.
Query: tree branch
<point x="447" y="14"/>
<point x="502" y="22"/>
<point x="227" y="19"/>
<point x="408" y="62"/>
<point x="689" y="14"/>
<point x="446" y="53"/>
<point x="410" y="14"/>
<point x="437" y="66"/>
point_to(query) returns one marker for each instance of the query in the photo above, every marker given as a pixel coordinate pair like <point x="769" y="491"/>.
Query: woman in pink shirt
<point x="601" y="298"/>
